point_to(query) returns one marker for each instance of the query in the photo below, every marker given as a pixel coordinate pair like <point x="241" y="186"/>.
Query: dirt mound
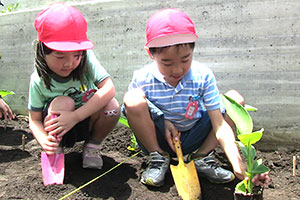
<point x="21" y="177"/>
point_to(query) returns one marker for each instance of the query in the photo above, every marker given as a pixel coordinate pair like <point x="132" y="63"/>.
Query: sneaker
<point x="91" y="157"/>
<point x="60" y="150"/>
<point x="154" y="174"/>
<point x="208" y="168"/>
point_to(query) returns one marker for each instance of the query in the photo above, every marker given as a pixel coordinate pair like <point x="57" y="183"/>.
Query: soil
<point x="21" y="176"/>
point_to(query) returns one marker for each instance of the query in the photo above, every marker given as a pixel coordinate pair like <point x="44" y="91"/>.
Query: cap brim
<point x="169" y="40"/>
<point x="70" y="46"/>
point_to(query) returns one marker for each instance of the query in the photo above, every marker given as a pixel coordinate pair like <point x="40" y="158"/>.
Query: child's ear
<point x="149" y="53"/>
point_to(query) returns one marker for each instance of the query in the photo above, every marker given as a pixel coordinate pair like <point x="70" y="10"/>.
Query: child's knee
<point x="112" y="109"/>
<point x="64" y="103"/>
<point x="135" y="101"/>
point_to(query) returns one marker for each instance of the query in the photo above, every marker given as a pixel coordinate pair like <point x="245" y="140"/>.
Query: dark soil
<point x="21" y="176"/>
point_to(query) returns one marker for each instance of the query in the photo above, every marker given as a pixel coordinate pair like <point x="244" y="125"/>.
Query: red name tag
<point x="191" y="109"/>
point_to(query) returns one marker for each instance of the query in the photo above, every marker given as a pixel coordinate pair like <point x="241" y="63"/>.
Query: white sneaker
<point x="91" y="157"/>
<point x="158" y="165"/>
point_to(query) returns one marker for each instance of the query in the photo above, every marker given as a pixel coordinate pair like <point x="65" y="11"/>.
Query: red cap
<point x="169" y="27"/>
<point x="62" y="28"/>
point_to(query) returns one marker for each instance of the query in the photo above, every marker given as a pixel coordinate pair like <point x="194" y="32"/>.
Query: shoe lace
<point x="92" y="152"/>
<point x="156" y="161"/>
<point x="211" y="162"/>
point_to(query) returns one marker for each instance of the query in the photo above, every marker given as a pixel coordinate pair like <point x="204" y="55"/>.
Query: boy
<point x="176" y="94"/>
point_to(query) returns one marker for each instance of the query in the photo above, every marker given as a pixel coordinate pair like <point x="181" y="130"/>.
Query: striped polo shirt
<point x="173" y="101"/>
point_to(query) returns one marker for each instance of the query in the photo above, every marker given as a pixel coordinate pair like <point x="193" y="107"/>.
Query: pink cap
<point x="62" y="28"/>
<point x="169" y="27"/>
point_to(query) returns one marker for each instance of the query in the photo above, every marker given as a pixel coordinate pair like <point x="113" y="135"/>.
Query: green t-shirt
<point x="39" y="95"/>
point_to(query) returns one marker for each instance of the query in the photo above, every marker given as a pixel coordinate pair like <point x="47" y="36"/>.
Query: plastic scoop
<point x="185" y="176"/>
<point x="53" y="167"/>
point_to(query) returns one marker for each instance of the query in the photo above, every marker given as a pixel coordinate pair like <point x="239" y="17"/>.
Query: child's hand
<point x="60" y="125"/>
<point x="50" y="144"/>
<point x="5" y="111"/>
<point x="261" y="179"/>
<point x="239" y="170"/>
<point x="171" y="132"/>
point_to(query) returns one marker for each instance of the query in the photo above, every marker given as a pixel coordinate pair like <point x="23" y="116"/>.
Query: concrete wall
<point x="251" y="45"/>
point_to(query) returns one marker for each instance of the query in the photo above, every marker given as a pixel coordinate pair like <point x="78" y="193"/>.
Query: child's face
<point x="174" y="62"/>
<point x="63" y="63"/>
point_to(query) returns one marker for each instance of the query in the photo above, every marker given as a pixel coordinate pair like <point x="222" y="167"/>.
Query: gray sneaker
<point x="154" y="174"/>
<point x="208" y="168"/>
<point x="91" y="157"/>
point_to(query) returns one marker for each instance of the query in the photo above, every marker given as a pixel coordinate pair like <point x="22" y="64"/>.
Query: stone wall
<point x="252" y="46"/>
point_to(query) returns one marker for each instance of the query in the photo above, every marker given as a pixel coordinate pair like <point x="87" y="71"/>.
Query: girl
<point x="71" y="96"/>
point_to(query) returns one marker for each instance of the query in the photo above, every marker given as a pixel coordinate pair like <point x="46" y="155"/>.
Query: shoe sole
<point x="222" y="182"/>
<point x="150" y="183"/>
<point x="90" y="167"/>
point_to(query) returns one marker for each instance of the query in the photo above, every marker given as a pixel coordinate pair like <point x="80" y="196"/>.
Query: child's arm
<point x="226" y="138"/>
<point x="67" y="119"/>
<point x="48" y="142"/>
<point x="170" y="133"/>
<point x="105" y="93"/>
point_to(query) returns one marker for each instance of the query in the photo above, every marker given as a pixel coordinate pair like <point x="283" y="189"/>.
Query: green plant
<point x="3" y="93"/>
<point x="10" y="8"/>
<point x="247" y="138"/>
<point x="133" y="146"/>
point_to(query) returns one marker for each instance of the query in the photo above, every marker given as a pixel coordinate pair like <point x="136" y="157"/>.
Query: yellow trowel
<point x="185" y="176"/>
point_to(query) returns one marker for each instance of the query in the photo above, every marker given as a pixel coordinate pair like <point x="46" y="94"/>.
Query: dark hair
<point x="154" y="50"/>
<point x="44" y="71"/>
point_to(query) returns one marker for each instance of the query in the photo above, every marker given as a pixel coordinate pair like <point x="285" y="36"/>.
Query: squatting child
<point x="177" y="97"/>
<point x="70" y="84"/>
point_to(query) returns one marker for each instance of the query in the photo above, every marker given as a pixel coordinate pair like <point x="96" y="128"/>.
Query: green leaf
<point x="252" y="152"/>
<point x="259" y="168"/>
<point x="250" y="108"/>
<point x="241" y="187"/>
<point x="123" y="120"/>
<point x="238" y="115"/>
<point x="248" y="174"/>
<point x="3" y="93"/>
<point x="130" y="148"/>
<point x="15" y="6"/>
<point x="133" y="141"/>
<point x="250" y="138"/>
<point x="243" y="149"/>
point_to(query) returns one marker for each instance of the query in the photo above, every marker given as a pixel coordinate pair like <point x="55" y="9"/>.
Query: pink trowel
<point x="53" y="167"/>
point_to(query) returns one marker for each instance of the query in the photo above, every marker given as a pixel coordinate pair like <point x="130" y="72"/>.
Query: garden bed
<point x="21" y="177"/>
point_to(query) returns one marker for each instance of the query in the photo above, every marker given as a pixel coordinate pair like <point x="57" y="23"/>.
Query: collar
<point x="59" y="78"/>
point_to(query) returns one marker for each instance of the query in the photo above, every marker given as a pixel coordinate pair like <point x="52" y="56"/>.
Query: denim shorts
<point x="80" y="132"/>
<point x="191" y="140"/>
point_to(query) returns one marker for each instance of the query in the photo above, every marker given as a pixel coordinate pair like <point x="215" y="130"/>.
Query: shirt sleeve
<point x="35" y="97"/>
<point x="211" y="95"/>
<point x="134" y="84"/>
<point x="95" y="69"/>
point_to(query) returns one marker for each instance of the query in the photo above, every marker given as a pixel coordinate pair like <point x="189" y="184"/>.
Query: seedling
<point x="247" y="138"/>
<point x="23" y="141"/>
<point x="11" y="8"/>
<point x="133" y="146"/>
